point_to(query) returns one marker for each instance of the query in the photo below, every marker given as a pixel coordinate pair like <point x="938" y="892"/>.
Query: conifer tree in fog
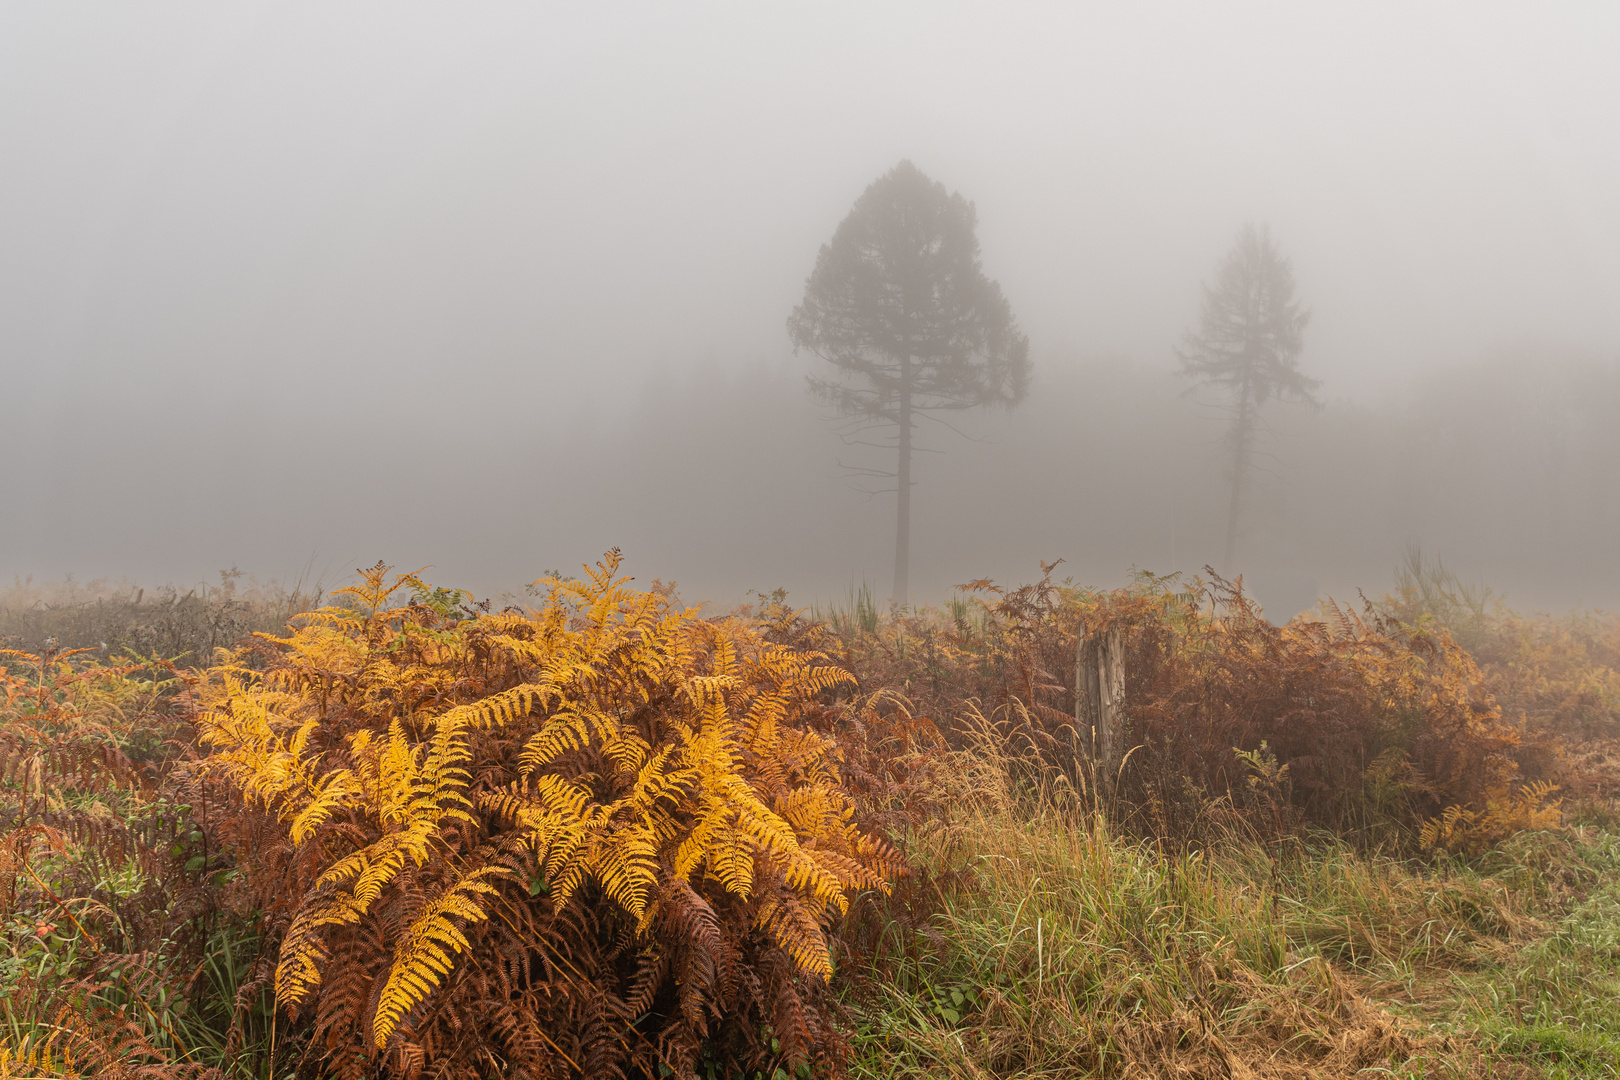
<point x="899" y="306"/>
<point x="1247" y="349"/>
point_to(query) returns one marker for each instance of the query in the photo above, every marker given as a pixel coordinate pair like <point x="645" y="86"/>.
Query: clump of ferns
<point x="1460" y="829"/>
<point x="105" y="879"/>
<point x="600" y="836"/>
<point x="1382" y="724"/>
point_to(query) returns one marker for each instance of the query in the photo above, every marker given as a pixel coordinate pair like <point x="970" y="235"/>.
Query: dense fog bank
<point x="728" y="479"/>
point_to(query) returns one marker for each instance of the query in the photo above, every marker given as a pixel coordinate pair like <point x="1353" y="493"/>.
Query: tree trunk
<point x="1099" y="702"/>
<point x="1087" y="693"/>
<point x="1242" y="436"/>
<point x="902" y="525"/>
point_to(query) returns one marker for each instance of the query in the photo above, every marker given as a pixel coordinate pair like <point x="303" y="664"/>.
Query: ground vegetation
<point x="405" y="834"/>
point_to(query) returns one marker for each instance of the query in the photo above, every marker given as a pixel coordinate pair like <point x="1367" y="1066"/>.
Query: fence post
<point x="1085" y="694"/>
<point x="1099" y="700"/>
<point x="1111" y="704"/>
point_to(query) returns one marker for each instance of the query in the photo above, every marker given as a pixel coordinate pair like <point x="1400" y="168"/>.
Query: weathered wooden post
<point x="1111" y="703"/>
<point x="1099" y="700"/>
<point x="1085" y="690"/>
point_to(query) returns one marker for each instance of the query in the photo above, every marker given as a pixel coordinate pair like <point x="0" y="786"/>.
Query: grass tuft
<point x="1076" y="951"/>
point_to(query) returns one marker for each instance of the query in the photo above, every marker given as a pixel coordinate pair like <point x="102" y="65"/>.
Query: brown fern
<point x="600" y="836"/>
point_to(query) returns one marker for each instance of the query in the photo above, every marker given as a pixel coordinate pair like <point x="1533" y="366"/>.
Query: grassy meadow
<point x="264" y="832"/>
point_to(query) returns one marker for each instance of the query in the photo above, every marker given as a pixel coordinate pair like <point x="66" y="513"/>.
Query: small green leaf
<point x="194" y="863"/>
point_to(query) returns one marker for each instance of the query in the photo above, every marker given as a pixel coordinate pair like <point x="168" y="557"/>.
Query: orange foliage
<point x="1373" y="720"/>
<point x="1556" y="678"/>
<point x="605" y="836"/>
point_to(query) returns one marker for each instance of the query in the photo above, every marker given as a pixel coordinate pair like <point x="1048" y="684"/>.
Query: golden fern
<point x="1458" y="828"/>
<point x="443" y="778"/>
<point x="425" y="955"/>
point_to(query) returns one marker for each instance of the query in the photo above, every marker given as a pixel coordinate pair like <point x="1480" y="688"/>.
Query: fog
<point x="496" y="288"/>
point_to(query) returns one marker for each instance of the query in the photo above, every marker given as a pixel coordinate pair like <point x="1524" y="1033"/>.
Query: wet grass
<point x="1073" y="952"/>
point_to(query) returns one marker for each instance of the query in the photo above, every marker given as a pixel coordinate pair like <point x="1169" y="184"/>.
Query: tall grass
<point x="118" y="619"/>
<point x="859" y="613"/>
<point x="1077" y="951"/>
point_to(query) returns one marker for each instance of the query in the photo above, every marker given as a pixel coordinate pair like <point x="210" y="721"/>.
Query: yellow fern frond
<point x="849" y="873"/>
<point x="498" y="710"/>
<point x="798" y="932"/>
<point x="337" y="789"/>
<point x="565" y="731"/>
<point x="625" y="863"/>
<point x="303" y="954"/>
<point x="424" y="957"/>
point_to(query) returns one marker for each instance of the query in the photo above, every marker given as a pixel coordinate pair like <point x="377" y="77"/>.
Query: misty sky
<point x="255" y="258"/>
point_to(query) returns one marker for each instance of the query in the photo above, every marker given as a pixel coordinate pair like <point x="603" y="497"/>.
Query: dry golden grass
<point x="1078" y="952"/>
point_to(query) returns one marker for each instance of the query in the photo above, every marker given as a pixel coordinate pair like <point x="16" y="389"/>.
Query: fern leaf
<point x="424" y="956"/>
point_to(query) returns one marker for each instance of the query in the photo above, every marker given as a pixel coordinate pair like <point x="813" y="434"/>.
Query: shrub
<point x="1556" y="678"/>
<point x="105" y="891"/>
<point x="1339" y="722"/>
<point x="1374" y="721"/>
<point x="604" y="835"/>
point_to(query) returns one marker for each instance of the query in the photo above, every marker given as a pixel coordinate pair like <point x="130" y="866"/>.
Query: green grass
<point x="1077" y="953"/>
<point x="1555" y="1001"/>
<point x="860" y="612"/>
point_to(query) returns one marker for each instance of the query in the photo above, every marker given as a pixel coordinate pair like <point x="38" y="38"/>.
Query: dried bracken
<point x="600" y="836"/>
<point x="1347" y="722"/>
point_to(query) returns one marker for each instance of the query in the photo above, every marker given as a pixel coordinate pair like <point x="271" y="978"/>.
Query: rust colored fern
<point x="593" y="837"/>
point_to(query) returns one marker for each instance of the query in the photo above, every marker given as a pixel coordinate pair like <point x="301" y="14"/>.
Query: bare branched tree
<point x="1247" y="348"/>
<point x="899" y="305"/>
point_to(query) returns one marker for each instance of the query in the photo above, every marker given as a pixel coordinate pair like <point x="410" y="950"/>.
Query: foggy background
<point x="498" y="287"/>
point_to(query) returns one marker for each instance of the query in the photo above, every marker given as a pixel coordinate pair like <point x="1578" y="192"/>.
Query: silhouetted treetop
<point x="899" y="304"/>
<point x="1250" y="334"/>
<point x="1252" y="329"/>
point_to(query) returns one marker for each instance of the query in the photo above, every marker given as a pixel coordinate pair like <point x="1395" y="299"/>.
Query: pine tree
<point x="899" y="305"/>
<point x="1247" y="347"/>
